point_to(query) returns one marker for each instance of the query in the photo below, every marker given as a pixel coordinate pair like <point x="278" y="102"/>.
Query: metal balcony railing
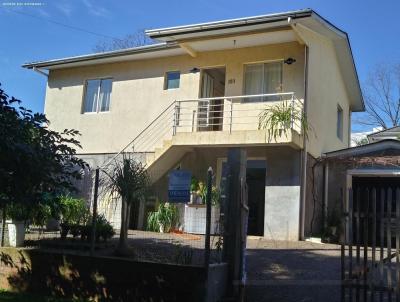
<point x="227" y="113"/>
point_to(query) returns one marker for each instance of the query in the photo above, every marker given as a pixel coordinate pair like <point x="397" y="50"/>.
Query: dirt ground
<point x="292" y="271"/>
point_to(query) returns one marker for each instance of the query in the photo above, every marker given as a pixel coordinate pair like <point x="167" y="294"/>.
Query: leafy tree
<point x="33" y="159"/>
<point x="128" y="180"/>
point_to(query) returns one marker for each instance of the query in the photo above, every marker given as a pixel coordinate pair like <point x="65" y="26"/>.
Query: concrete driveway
<point x="292" y="271"/>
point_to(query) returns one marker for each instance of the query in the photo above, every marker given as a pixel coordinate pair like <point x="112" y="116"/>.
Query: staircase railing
<point x="227" y="113"/>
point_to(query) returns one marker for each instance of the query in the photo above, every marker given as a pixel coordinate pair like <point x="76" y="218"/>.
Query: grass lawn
<point x="6" y="296"/>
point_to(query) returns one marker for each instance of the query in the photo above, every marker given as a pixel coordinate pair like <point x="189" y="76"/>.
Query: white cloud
<point x="65" y="8"/>
<point x="95" y="9"/>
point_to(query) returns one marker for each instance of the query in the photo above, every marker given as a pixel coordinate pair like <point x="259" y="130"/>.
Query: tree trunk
<point x="123" y="231"/>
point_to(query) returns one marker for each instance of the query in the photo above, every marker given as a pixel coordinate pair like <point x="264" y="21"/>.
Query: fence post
<point x="3" y="225"/>
<point x="208" y="220"/>
<point x="94" y="215"/>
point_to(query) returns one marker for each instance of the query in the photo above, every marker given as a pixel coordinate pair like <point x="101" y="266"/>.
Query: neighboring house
<point x="390" y="133"/>
<point x="185" y="101"/>
<point x="361" y="138"/>
<point x="374" y="166"/>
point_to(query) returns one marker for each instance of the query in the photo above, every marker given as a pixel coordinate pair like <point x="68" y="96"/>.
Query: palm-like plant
<point x="128" y="180"/>
<point x="282" y="117"/>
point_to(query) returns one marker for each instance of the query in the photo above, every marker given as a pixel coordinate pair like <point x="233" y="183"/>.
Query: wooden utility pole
<point x="3" y="226"/>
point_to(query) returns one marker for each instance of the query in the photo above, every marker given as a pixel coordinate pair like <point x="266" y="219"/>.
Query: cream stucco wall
<point x="138" y="95"/>
<point x="326" y="90"/>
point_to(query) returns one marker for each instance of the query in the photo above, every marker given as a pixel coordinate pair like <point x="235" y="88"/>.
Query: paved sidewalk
<point x="292" y="271"/>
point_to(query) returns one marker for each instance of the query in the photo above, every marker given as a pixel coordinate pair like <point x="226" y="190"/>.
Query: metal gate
<point x="370" y="245"/>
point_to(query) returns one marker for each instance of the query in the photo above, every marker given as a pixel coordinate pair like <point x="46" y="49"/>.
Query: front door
<point x="210" y="112"/>
<point x="255" y="177"/>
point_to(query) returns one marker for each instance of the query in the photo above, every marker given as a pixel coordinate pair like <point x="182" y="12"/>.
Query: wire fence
<point x="184" y="243"/>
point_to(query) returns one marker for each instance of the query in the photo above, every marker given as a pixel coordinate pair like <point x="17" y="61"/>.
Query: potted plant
<point x="194" y="187"/>
<point x="17" y="214"/>
<point x="164" y="220"/>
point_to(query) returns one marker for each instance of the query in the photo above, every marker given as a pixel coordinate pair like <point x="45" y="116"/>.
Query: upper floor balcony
<point x="242" y="120"/>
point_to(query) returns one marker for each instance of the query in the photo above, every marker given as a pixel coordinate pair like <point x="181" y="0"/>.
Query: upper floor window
<point x="172" y="80"/>
<point x="339" y="124"/>
<point x="97" y="95"/>
<point x="264" y="78"/>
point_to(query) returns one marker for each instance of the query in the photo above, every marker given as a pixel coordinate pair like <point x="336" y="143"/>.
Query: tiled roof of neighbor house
<point x="393" y="131"/>
<point x="364" y="149"/>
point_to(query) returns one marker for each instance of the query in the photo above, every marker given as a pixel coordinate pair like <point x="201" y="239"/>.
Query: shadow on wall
<point x="98" y="278"/>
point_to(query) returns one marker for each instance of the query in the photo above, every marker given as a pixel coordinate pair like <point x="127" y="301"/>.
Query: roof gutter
<point x="210" y="26"/>
<point x="105" y="55"/>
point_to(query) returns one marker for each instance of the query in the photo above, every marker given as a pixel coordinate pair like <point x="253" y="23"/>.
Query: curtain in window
<point x="91" y="96"/>
<point x="273" y="77"/>
<point x="253" y="79"/>
<point x="263" y="79"/>
<point x="105" y="93"/>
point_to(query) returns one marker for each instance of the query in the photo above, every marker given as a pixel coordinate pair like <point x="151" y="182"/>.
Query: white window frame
<point x="263" y="63"/>
<point x="98" y="95"/>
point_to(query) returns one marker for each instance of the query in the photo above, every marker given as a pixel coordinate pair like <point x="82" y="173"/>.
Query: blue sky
<point x="372" y="25"/>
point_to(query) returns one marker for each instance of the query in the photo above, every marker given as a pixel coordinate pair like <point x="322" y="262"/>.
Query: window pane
<point x="253" y="80"/>
<point x="105" y="94"/>
<point x="339" y="128"/>
<point x="91" y="95"/>
<point x="272" y="77"/>
<point x="173" y="79"/>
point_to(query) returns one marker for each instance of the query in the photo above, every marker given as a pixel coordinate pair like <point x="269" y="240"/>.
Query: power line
<point x="64" y="25"/>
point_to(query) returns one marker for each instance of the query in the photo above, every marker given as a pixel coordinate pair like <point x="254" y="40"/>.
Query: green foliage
<point x="73" y="210"/>
<point x="127" y="179"/>
<point x="33" y="158"/>
<point x="281" y="117"/>
<point x="194" y="185"/>
<point x="164" y="219"/>
<point x="40" y="214"/>
<point x="104" y="229"/>
<point x="215" y="194"/>
<point x="17" y="212"/>
<point x="361" y="142"/>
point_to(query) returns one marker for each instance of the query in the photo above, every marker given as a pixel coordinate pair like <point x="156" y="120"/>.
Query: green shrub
<point x="73" y="210"/>
<point x="104" y="229"/>
<point x="165" y="219"/>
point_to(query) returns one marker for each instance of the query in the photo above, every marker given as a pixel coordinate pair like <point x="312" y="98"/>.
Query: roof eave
<point x="99" y="56"/>
<point x="226" y="24"/>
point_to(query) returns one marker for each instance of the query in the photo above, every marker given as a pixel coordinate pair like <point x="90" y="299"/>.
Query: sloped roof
<point x="385" y="132"/>
<point x="171" y="38"/>
<point x="365" y="149"/>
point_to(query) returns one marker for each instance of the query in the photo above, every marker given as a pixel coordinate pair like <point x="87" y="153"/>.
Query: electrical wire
<point x="62" y="24"/>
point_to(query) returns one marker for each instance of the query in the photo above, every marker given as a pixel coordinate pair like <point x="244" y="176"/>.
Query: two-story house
<point x="184" y="101"/>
